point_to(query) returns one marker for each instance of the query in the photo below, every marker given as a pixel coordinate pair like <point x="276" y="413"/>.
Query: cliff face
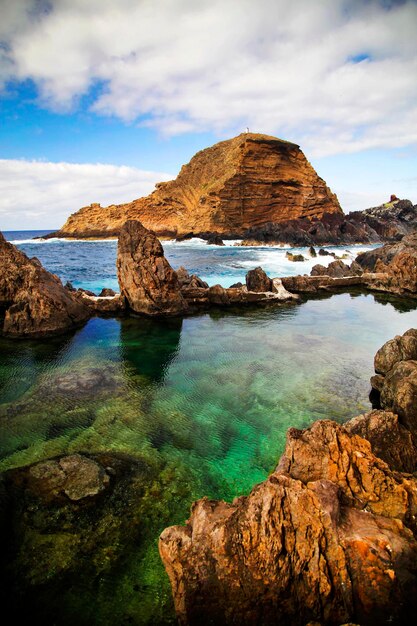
<point x="241" y="183"/>
<point x="330" y="537"/>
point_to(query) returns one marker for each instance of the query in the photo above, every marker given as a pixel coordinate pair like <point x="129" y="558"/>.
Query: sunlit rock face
<point x="244" y="182"/>
<point x="329" y="537"/>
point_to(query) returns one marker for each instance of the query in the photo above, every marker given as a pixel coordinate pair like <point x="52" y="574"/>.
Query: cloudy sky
<point x="100" y="99"/>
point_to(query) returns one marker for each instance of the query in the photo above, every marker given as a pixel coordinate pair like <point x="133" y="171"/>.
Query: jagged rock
<point x="190" y="281"/>
<point x="33" y="302"/>
<point x="401" y="348"/>
<point x="215" y="239"/>
<point x="257" y="280"/>
<point x="106" y="293"/>
<point x="390" y="440"/>
<point x="246" y="181"/>
<point x="297" y="258"/>
<point x="312" y="252"/>
<point x="323" y="252"/>
<point x="324" y="539"/>
<point x="335" y="269"/>
<point x="146" y="279"/>
<point x="328" y="538"/>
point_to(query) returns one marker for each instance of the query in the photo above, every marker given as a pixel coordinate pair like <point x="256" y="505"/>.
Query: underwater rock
<point x="146" y="279"/>
<point x="76" y="476"/>
<point x="33" y="302"/>
<point x="69" y="526"/>
<point x="329" y="537"/>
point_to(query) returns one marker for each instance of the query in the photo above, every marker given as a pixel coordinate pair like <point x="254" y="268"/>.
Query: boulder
<point x="214" y="239"/>
<point x="335" y="269"/>
<point x="34" y="302"/>
<point x="106" y="293"/>
<point x="394" y="267"/>
<point x="257" y="280"/>
<point x="146" y="279"/>
<point x="323" y="539"/>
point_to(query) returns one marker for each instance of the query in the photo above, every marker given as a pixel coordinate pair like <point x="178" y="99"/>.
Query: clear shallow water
<point x="92" y="264"/>
<point x="204" y="402"/>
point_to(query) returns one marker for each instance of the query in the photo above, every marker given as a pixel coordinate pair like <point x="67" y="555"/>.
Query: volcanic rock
<point x="329" y="537"/>
<point x="215" y="239"/>
<point x="146" y="279"/>
<point x="33" y="302"/>
<point x="390" y="440"/>
<point x="257" y="280"/>
<point x="323" y="539"/>
<point x="244" y="182"/>
<point x="396" y="265"/>
<point x="335" y="269"/>
<point x="106" y="293"/>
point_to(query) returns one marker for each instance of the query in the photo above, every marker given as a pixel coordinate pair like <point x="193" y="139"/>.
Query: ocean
<point x="92" y="264"/>
<point x="203" y="403"/>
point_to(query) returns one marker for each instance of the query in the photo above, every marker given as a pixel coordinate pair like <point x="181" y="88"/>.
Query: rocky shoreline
<point x="33" y="302"/>
<point x="329" y="538"/>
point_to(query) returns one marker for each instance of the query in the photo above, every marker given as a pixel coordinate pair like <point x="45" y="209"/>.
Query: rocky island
<point x="254" y="187"/>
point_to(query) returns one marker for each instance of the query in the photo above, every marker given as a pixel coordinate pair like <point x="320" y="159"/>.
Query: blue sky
<point x="101" y="99"/>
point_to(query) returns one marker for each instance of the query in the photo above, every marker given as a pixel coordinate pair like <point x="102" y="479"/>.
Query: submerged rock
<point x="33" y="302"/>
<point x="146" y="279"/>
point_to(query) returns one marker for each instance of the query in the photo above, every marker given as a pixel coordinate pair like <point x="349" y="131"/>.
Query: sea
<point x="204" y="401"/>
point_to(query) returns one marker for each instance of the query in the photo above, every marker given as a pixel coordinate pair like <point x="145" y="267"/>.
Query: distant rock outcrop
<point x="244" y="182"/>
<point x="33" y="302"/>
<point x="330" y="537"/>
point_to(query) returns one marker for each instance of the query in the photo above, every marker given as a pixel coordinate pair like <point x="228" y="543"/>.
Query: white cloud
<point x="36" y="194"/>
<point x="276" y="66"/>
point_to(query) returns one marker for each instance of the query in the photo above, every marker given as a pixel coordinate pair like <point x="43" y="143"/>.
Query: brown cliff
<point x="34" y="302"/>
<point x="328" y="538"/>
<point x="241" y="183"/>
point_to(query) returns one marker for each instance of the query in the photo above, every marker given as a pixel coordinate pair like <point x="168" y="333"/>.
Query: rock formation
<point x="238" y="184"/>
<point x="152" y="287"/>
<point x="391" y="268"/>
<point x="146" y="279"/>
<point x="33" y="302"/>
<point x="396" y="264"/>
<point x="329" y="537"/>
<point x="389" y="222"/>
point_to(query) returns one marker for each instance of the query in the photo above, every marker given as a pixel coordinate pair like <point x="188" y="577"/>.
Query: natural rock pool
<point x="187" y="408"/>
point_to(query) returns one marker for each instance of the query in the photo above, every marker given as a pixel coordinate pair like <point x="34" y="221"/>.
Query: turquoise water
<point x="203" y="403"/>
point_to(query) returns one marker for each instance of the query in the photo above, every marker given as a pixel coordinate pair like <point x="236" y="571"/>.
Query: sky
<point x="101" y="99"/>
